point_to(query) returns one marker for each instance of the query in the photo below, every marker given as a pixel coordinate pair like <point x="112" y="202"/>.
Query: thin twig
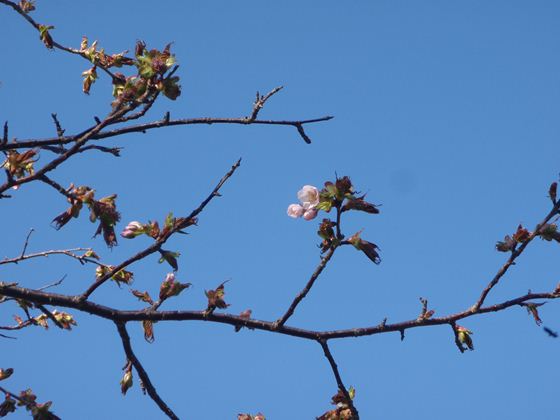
<point x="339" y="382"/>
<point x="260" y="101"/>
<point x="156" y="246"/>
<point x="26" y="243"/>
<point x="54" y="43"/>
<point x="306" y="289"/>
<point x="149" y="387"/>
<point x="514" y="254"/>
<point x="56" y="186"/>
<point x="67" y="252"/>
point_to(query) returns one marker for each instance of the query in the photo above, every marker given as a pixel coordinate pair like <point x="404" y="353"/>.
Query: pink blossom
<point x="310" y="214"/>
<point x="309" y="196"/>
<point x="132" y="230"/>
<point x="295" y="210"/>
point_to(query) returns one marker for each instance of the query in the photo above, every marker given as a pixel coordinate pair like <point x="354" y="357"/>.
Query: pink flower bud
<point x="132" y="230"/>
<point x="295" y="210"/>
<point x="310" y="214"/>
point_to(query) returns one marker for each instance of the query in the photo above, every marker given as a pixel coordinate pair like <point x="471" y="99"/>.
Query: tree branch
<point x="306" y="289"/>
<point x="339" y="382"/>
<point x="164" y="122"/>
<point x="156" y="246"/>
<point x="142" y="372"/>
<point x="514" y="254"/>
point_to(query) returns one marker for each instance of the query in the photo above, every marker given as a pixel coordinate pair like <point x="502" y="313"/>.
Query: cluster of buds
<point x="152" y="229"/>
<point x="170" y="287"/>
<point x="151" y="78"/>
<point x="98" y="57"/>
<point x="64" y="319"/>
<point x="8" y="406"/>
<point x="340" y="195"/>
<point x="19" y="165"/>
<point x="216" y="299"/>
<point x="309" y="199"/>
<point x="342" y="410"/>
<point x="28" y="400"/>
<point x="27" y="5"/>
<point x="121" y="276"/>
<point x="103" y="210"/>
<point x="45" y="36"/>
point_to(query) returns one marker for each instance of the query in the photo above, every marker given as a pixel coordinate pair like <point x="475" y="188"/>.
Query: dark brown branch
<point x="53" y="164"/>
<point x="339" y="382"/>
<point x="114" y="314"/>
<point x="164" y="122"/>
<point x="58" y="127"/>
<point x="156" y="246"/>
<point x="306" y="289"/>
<point x="26" y="243"/>
<point x="142" y="372"/>
<point x="514" y="254"/>
<point x="56" y="186"/>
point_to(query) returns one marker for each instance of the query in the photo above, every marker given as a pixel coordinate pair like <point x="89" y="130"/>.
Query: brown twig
<point x="164" y="122"/>
<point x="55" y="44"/>
<point x="514" y="255"/>
<point x="53" y="164"/>
<point x="148" y="386"/>
<point x="67" y="252"/>
<point x="260" y="101"/>
<point x="156" y="246"/>
<point x="339" y="382"/>
<point x="306" y="289"/>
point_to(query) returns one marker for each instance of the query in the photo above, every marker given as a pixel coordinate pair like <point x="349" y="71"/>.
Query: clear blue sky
<point x="446" y="112"/>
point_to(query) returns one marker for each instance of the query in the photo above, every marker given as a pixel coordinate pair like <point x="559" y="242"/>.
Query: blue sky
<point x="445" y="113"/>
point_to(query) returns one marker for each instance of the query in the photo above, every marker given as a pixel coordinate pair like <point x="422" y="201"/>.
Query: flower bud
<point x="295" y="210"/>
<point x="310" y="214"/>
<point x="133" y="229"/>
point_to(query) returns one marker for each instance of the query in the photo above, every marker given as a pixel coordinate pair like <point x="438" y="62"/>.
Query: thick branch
<point x="142" y="372"/>
<point x="114" y="314"/>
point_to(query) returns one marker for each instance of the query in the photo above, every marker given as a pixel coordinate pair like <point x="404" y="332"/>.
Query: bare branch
<point x="306" y="289"/>
<point x="336" y="374"/>
<point x="260" y="101"/>
<point x="164" y="122"/>
<point x="121" y="327"/>
<point x="68" y="252"/>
